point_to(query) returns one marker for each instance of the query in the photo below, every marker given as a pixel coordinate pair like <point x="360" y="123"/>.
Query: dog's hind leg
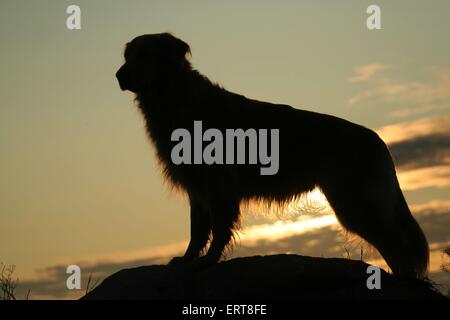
<point x="364" y="218"/>
<point x="366" y="197"/>
<point x="380" y="215"/>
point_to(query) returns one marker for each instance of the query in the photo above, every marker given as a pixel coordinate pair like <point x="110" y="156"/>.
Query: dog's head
<point x="150" y="59"/>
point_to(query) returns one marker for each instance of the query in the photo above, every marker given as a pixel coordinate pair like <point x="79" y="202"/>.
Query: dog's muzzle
<point x="120" y="75"/>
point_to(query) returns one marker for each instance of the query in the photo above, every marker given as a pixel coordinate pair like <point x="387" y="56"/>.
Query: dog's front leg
<point x="200" y="230"/>
<point x="224" y="218"/>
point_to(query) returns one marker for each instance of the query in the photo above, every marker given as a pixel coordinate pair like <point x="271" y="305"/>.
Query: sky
<point x="79" y="183"/>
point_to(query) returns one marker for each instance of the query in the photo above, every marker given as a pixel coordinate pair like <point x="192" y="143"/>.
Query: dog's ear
<point x="174" y="47"/>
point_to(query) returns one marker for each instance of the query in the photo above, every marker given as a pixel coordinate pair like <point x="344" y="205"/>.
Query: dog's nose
<point x="119" y="72"/>
<point x="120" y="78"/>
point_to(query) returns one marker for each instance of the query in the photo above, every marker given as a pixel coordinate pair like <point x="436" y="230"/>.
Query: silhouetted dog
<point x="348" y="162"/>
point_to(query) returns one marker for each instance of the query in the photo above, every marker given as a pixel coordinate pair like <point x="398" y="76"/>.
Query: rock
<point x="260" y="277"/>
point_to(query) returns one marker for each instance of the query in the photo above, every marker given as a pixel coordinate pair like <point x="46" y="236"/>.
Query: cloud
<point x="420" y="148"/>
<point x="433" y="177"/>
<point x="421" y="151"/>
<point x="417" y="93"/>
<point x="414" y="129"/>
<point x="434" y="218"/>
<point x="51" y="281"/>
<point x="431" y="207"/>
<point x="432" y="150"/>
<point x="367" y="72"/>
<point x="324" y="239"/>
<point x="406" y="112"/>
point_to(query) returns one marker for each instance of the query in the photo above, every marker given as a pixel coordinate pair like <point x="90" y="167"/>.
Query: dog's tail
<point x="413" y="258"/>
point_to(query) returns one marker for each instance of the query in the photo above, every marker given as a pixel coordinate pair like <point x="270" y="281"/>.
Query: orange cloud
<point x="437" y="177"/>
<point x="406" y="112"/>
<point x="367" y="72"/>
<point x="409" y="130"/>
<point x="431" y="207"/>
<point x="421" y="150"/>
<point x="390" y="89"/>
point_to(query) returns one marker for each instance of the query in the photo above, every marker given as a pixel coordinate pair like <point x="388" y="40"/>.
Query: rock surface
<point x="261" y="277"/>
